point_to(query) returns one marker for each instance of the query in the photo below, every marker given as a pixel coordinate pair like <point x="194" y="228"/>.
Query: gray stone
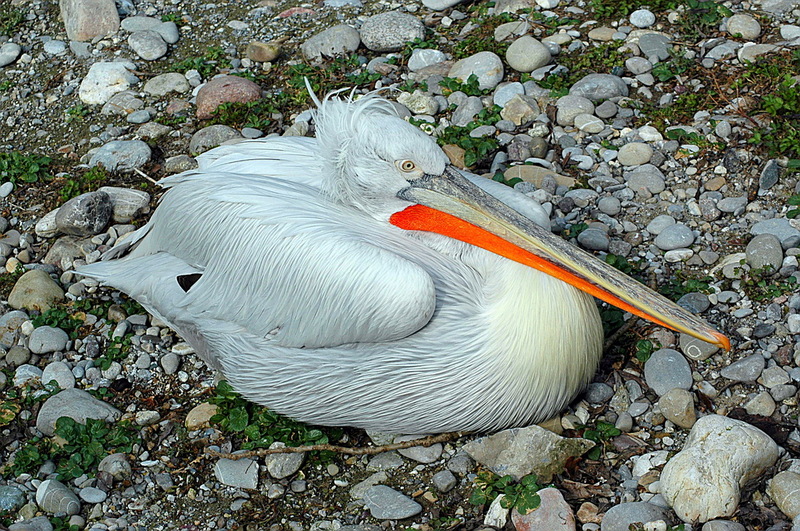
<point x="388" y="32"/>
<point x="59" y="372"/>
<point x="655" y="46"/>
<point x="521" y="451"/>
<point x="138" y="117"/>
<point x="52" y="496"/>
<point x="11" y="498"/>
<point x="642" y="18"/>
<point x="10" y="323"/>
<point x="667" y="369"/>
<point x="761" y="404"/>
<point x="47" y="339"/>
<point x="779" y="227"/>
<point x="594" y="239"/>
<point x="745" y="370"/>
<point x="743" y="25"/>
<point x="85" y="215"/>
<point x="486" y="66"/>
<point x="424" y="57"/>
<point x="121" y="155"/>
<point x="609" y="205"/>
<point x="732" y="204"/>
<point x="338" y="40"/>
<point x="26" y="373"/>
<point x="75" y="404"/>
<point x="722" y="525"/>
<point x="659" y="223"/>
<point x="645" y="180"/>
<point x="444" y="481"/>
<point x="241" y="473"/>
<point x="385" y="503"/>
<point x="703" y="480"/>
<point x="105" y="79"/>
<point x="148" y="44"/>
<point x="123" y="103"/>
<point x="596" y="87"/>
<point x="163" y="84"/>
<point x="92" y="495"/>
<point x="695" y="302"/>
<point x="764" y="250"/>
<point x="9" y="53"/>
<point x="635" y="154"/>
<point x="34" y="290"/>
<point x="526" y="54"/>
<point x="210" y="137"/>
<point x="675" y="236"/>
<point x="466" y="111"/>
<point x="620" y="517"/>
<point x="440" y="5"/>
<point x="769" y="175"/>
<point x="783" y="489"/>
<point x="39" y="523"/>
<point x="282" y="466"/>
<point x="86" y="19"/>
<point x="385" y="461"/>
<point x="419" y="454"/>
<point x="697" y="349"/>
<point x="116" y="465"/>
<point x="139" y="23"/>
<point x="570" y="106"/>
<point x="677" y="406"/>
<point x="598" y="393"/>
<point x="127" y="203"/>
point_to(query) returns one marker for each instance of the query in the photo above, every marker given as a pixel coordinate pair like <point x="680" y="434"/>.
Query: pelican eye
<point x="406" y="166"/>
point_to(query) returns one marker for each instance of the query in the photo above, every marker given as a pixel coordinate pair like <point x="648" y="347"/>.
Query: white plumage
<point x="311" y="302"/>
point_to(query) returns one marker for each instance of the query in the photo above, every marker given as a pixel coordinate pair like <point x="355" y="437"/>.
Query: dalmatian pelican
<point x="359" y="279"/>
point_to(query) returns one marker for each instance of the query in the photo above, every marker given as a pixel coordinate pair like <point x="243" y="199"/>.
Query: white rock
<point x="46" y="226"/>
<point x="496" y="514"/>
<point x="106" y="79"/>
<point x="642" y="18"/>
<point x="704" y="480"/>
<point x="526" y="54"/>
<point x="744" y="25"/>
<point x="784" y="489"/>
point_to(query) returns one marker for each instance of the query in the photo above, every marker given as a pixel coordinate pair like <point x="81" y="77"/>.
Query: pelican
<point x="359" y="279"/>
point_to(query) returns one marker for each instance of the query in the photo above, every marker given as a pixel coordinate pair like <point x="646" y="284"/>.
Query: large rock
<point x="75" y="404"/>
<point x="121" y="155"/>
<point x="704" y="480"/>
<point x="486" y="66"/>
<point x="105" y="79"/>
<point x="521" y="451"/>
<point x="338" y="40"/>
<point x="86" y="19"/>
<point x="127" y="203"/>
<point x="35" y="290"/>
<point x="390" y="31"/>
<point x="225" y="89"/>
<point x="85" y="215"/>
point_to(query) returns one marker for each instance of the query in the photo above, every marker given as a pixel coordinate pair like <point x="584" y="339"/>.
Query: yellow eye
<point x="407" y="165"/>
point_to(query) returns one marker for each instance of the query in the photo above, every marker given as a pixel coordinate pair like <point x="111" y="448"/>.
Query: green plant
<point x="86" y="181"/>
<point x="260" y="427"/>
<point x="15" y="167"/>
<point x="10" y="20"/>
<point x="760" y="284"/>
<point x="600" y="58"/>
<point x="172" y="17"/>
<point x="644" y="349"/>
<point x="499" y="177"/>
<point x="520" y="495"/>
<point x="677" y="64"/>
<point x="793" y="201"/>
<point x="87" y="444"/>
<point x="30" y="456"/>
<point x="701" y="17"/>
<point x="58" y="317"/>
<point x="481" y="37"/>
<point x="207" y="65"/>
<point x="116" y="350"/>
<point x="682" y="283"/>
<point x="62" y="524"/>
<point x="171" y="121"/>
<point x="574" y="230"/>
<point x="77" y="112"/>
<point x="476" y="149"/>
<point x="254" y="114"/>
<point x="470" y="86"/>
<point x="6" y="85"/>
<point x="411" y="86"/>
<point x="601" y="434"/>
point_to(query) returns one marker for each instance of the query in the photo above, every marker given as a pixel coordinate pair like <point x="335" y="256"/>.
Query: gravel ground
<point x="675" y="164"/>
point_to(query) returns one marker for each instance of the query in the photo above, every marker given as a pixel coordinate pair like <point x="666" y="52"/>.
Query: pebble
<point x="444" y="481"/>
<point x="87" y="214"/>
<point x="645" y="180"/>
<point x="783" y="489"/>
<point x="634" y="154"/>
<point x="744" y="26"/>
<point x="655" y="46"/>
<point x="26" y="373"/>
<point x="210" y="137"/>
<point x="163" y="84"/>
<point x="570" y="106"/>
<point x="116" y="465"/>
<point x="121" y="155"/>
<point x="76" y="404"/>
<point x="47" y="339"/>
<point x="388" y="32"/>
<point x="642" y="18"/>
<point x="52" y="496"/>
<point x="225" y="89"/>
<point x="34" y="290"/>
<point x="696" y="349"/>
<point x="282" y="466"/>
<point x="9" y="52"/>
<point x="337" y="40"/>
<point x="761" y="404"/>
<point x="702" y="481"/>
<point x="553" y="514"/>
<point x="11" y="498"/>
<point x="596" y="87"/>
<point x="126" y="203"/>
<point x="84" y="20"/>
<point x="266" y="52"/>
<point x="105" y="79"/>
<point x="594" y="239"/>
<point x="148" y="44"/>
<point x="521" y="451"/>
<point x="526" y="54"/>
<point x="420" y="454"/>
<point x="677" y="406"/>
<point x="621" y="517"/>
<point x="745" y="370"/>
<point x="92" y="495"/>
<point x="241" y="473"/>
<point x="200" y="416"/>
<point x="764" y="251"/>
<point x="781" y="228"/>
<point x="385" y="503"/>
<point x="667" y="369"/>
<point x="676" y="236"/>
<point x="486" y="66"/>
<point x="425" y="57"/>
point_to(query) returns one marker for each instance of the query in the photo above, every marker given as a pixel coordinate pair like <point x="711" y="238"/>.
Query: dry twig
<point x="366" y="450"/>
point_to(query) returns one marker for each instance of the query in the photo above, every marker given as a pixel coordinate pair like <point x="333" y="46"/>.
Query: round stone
<point x="47" y="339"/>
<point x="674" y="237"/>
<point x="642" y="18"/>
<point x="165" y="83"/>
<point x="635" y="154"/>
<point x="667" y="369"/>
<point x="148" y="44"/>
<point x="744" y="25"/>
<point x="225" y="89"/>
<point x="526" y="54"/>
<point x="764" y="251"/>
<point x="486" y="66"/>
<point x="340" y="39"/>
<point x="388" y="32"/>
<point x="121" y="155"/>
<point x="85" y="215"/>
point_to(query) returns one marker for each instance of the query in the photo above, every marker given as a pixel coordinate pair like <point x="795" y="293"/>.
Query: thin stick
<point x="143" y="174"/>
<point x="367" y="450"/>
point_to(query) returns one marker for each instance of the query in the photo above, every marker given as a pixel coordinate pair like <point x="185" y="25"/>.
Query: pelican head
<point x="404" y="177"/>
